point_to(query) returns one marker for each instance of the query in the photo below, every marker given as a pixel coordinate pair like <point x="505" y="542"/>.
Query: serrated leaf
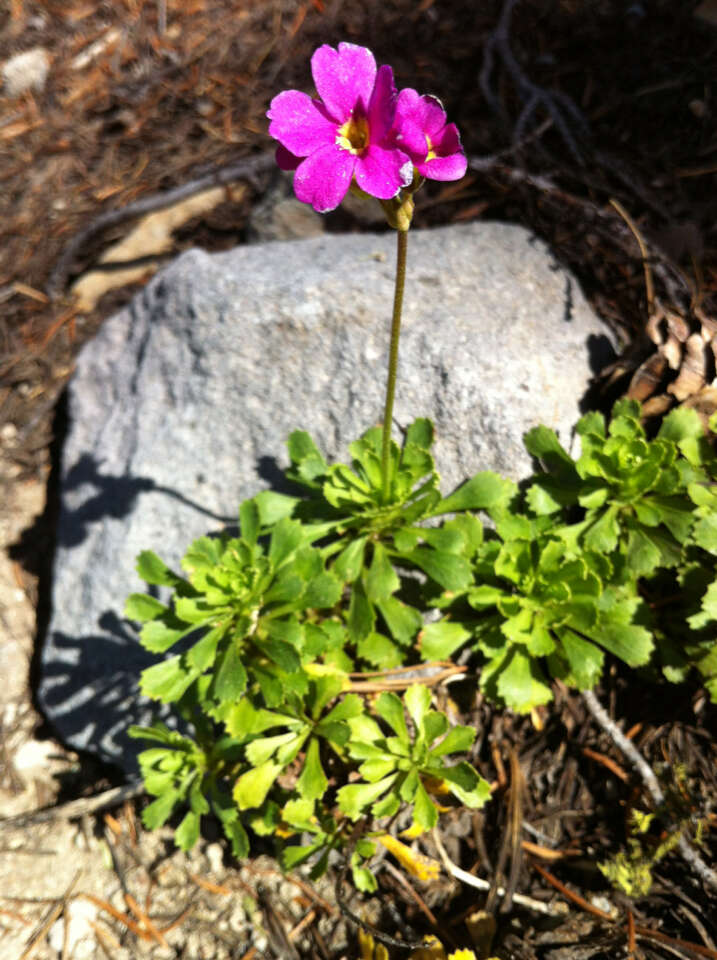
<point x="379" y="651"/>
<point x="322" y="592"/>
<point x="450" y="571"/>
<point x="457" y="740"/>
<point x="157" y="636"/>
<point x="274" y="506"/>
<point x="231" y="678"/>
<point x="521" y="684"/>
<point x="159" y="811"/>
<point x="166" y="681"/>
<point x="287" y="536"/>
<point x="249" y="521"/>
<point x="155" y="571"/>
<point x="312" y="782"/>
<point x="420" y="433"/>
<point x="381" y="578"/>
<point x="141" y="607"/>
<point x="251" y="788"/>
<point x="361" y="618"/>
<point x="441" y="639"/>
<point x="708" y="610"/>
<point x="629" y="642"/>
<point x="187" y="833"/>
<point x="389" y="707"/>
<point x="356" y="797"/>
<point x="425" y="814"/>
<point x="705" y="533"/>
<point x="402" y="620"/>
<point x="681" y="423"/>
<point x="603" y="534"/>
<point x="584" y="658"/>
<point x="349" y="563"/>
<point x="417" y="700"/>
<point x="484" y="491"/>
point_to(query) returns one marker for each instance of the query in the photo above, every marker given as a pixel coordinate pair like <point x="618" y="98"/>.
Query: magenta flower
<point x="345" y="134"/>
<point x="421" y="130"/>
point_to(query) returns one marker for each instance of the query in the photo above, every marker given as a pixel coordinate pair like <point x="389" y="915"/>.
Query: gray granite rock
<point x="181" y="406"/>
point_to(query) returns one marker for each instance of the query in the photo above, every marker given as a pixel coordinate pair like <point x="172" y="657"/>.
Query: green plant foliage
<point x="396" y="767"/>
<point x="260" y="637"/>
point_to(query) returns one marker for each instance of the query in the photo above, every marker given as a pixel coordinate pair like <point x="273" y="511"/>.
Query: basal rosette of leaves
<point x="635" y="492"/>
<point x="536" y="610"/>
<point x="396" y="768"/>
<point x="375" y="542"/>
<point x="242" y="612"/>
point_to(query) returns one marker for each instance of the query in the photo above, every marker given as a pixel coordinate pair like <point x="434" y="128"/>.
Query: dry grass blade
<point x="40" y="932"/>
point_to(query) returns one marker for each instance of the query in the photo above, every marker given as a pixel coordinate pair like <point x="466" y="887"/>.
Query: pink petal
<point x="433" y="115"/>
<point x="411" y="139"/>
<point x="323" y="179"/>
<point x="382" y="105"/>
<point x="286" y="160"/>
<point x="299" y="123"/>
<point x="407" y="104"/>
<point x="448" y="141"/>
<point x="382" y="172"/>
<point x="444" y="168"/>
<point x="344" y="78"/>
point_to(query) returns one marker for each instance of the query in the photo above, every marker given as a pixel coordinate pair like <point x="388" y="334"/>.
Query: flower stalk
<point x="401" y="250"/>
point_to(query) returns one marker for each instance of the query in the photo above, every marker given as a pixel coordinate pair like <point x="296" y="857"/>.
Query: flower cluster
<point x="360" y="129"/>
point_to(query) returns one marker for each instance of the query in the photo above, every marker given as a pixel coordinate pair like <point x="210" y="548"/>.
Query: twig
<point x="248" y="167"/>
<point x="559" y="107"/>
<point x="550" y="909"/>
<point x="74" y="808"/>
<point x="649" y="287"/>
<point x="690" y="855"/>
<point x="45" y="924"/>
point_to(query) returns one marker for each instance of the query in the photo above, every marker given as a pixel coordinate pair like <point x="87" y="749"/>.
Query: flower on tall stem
<point x="421" y="130"/>
<point x="344" y="135"/>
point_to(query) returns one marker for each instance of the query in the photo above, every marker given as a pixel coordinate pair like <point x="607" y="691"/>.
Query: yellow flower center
<point x="353" y="135"/>
<point x="431" y="155"/>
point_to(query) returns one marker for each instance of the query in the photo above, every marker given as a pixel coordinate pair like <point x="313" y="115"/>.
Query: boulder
<point x="181" y="405"/>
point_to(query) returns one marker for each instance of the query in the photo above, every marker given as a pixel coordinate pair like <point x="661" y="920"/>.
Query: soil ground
<point x="566" y="105"/>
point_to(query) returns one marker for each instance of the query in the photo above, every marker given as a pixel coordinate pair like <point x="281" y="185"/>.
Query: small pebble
<point x="26" y="71"/>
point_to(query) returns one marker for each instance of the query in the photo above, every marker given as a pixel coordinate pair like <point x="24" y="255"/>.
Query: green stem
<point x="401" y="248"/>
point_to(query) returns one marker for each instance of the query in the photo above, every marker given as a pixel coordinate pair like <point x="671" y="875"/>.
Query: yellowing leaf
<point x="417" y="864"/>
<point x="433" y="950"/>
<point x="462" y="955"/>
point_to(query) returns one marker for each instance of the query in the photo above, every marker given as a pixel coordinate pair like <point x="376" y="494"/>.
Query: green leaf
<point x="402" y="620"/>
<point x="287" y="536"/>
<point x="187" y="833"/>
<point x="603" y="534"/>
<point x="231" y="678"/>
<point x="457" y="740"/>
<point x="681" y="423"/>
<point x="484" y="491"/>
<point x="274" y="506"/>
<point x="439" y="640"/>
<point x="155" y="571"/>
<point x="521" y="684"/>
<point x="251" y="788"/>
<point x="425" y="814"/>
<point x="157" y="636"/>
<point x="449" y="570"/>
<point x="420" y="433"/>
<point x="381" y="579"/>
<point x="322" y="592"/>
<point x="361" y="617"/>
<point x="584" y="658"/>
<point x="312" y="782"/>
<point x="349" y="563"/>
<point x="201" y="656"/>
<point x="708" y="611"/>
<point x="249" y="521"/>
<point x="141" y="607"/>
<point x="630" y="643"/>
<point x="306" y="456"/>
<point x="379" y="651"/>
<point x="159" y="811"/>
<point x="705" y="533"/>
<point x="389" y="706"/>
<point x="166" y="681"/>
<point x="418" y="701"/>
<point x="465" y="784"/>
<point x="356" y="797"/>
